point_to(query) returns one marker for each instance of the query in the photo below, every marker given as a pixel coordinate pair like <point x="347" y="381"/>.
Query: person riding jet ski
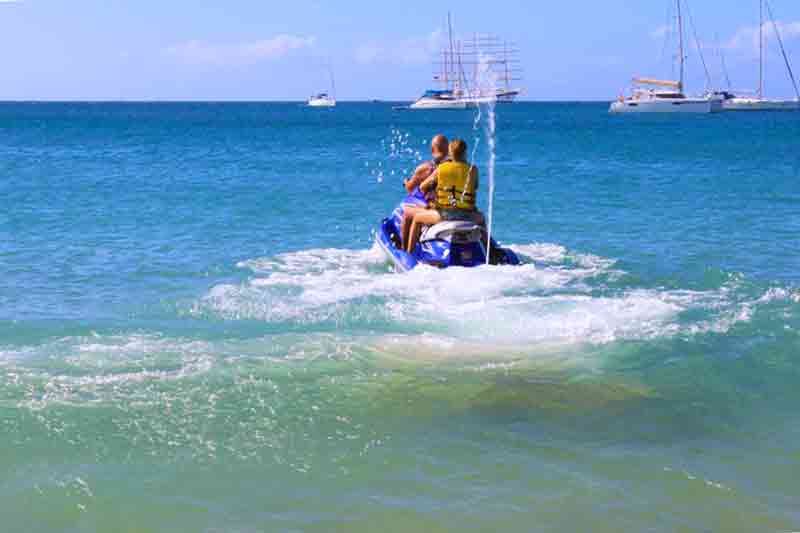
<point x="456" y="184"/>
<point x="422" y="200"/>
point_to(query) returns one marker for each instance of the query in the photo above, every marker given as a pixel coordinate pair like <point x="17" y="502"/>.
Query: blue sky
<point x="276" y="49"/>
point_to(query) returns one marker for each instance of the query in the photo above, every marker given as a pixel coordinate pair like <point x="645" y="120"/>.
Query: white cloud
<point x="237" y="54"/>
<point x="660" y="32"/>
<point x="411" y="51"/>
<point x="746" y="38"/>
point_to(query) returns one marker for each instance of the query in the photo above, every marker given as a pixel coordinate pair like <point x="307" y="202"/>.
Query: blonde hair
<point x="458" y="149"/>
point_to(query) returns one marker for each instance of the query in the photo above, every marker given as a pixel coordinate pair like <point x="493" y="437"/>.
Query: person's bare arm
<point x="474" y="176"/>
<point x="420" y="174"/>
<point x="429" y="183"/>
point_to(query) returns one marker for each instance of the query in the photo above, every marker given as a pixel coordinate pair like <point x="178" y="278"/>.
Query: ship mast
<point x="505" y="66"/>
<point x="783" y="51"/>
<point x="680" y="45"/>
<point x="333" y="80"/>
<point x="760" y="49"/>
<point x="460" y="62"/>
<point x="452" y="51"/>
<point x="724" y="65"/>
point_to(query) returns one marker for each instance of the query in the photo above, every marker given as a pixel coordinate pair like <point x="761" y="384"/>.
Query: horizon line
<point x="269" y="100"/>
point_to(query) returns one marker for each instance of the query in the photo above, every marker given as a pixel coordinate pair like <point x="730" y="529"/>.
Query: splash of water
<point x="491" y="128"/>
<point x="485" y="96"/>
<point x="398" y="156"/>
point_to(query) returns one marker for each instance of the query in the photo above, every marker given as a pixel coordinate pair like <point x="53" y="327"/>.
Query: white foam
<point x="116" y="358"/>
<point x="557" y="297"/>
<point x="315" y="285"/>
<point x="776" y="294"/>
<point x="546" y="300"/>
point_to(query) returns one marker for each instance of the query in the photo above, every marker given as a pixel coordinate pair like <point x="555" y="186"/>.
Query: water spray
<point x="485" y="97"/>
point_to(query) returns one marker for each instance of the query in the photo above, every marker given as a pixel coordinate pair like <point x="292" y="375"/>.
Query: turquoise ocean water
<point x="197" y="334"/>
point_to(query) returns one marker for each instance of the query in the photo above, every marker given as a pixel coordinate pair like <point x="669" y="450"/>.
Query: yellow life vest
<point x="454" y="188"/>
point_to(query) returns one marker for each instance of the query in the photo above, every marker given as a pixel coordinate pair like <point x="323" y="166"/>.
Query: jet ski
<point x="443" y="245"/>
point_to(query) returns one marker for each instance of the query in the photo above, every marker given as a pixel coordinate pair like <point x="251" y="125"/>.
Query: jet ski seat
<point x="454" y="230"/>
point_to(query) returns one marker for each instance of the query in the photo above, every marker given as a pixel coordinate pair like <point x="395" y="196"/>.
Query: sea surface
<point x="197" y="333"/>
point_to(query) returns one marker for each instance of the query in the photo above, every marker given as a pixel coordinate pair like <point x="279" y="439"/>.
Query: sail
<point x="661" y="83"/>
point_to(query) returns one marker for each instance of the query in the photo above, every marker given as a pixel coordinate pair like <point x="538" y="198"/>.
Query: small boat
<point x="443" y="245"/>
<point x="663" y="96"/>
<point x="325" y="99"/>
<point x="507" y="96"/>
<point x="322" y="100"/>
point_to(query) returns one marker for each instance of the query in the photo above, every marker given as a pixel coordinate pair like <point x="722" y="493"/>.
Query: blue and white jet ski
<point x="447" y="244"/>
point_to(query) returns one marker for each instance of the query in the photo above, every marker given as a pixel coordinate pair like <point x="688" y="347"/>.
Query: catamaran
<point x="464" y="69"/>
<point x="732" y="102"/>
<point x="325" y="99"/>
<point x="663" y="96"/>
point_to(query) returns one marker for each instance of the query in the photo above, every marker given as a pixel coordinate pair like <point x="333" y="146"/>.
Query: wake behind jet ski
<point x="450" y="233"/>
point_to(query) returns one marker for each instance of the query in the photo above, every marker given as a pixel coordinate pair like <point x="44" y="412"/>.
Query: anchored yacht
<point x="464" y="65"/>
<point x="663" y="96"/>
<point x="325" y="99"/>
<point x="757" y="102"/>
<point x="650" y="100"/>
<point x="322" y="100"/>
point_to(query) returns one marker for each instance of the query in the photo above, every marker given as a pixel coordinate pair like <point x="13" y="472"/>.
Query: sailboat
<point x="459" y="73"/>
<point x="732" y="102"/>
<point x="663" y="96"/>
<point x="450" y="96"/>
<point x="325" y="99"/>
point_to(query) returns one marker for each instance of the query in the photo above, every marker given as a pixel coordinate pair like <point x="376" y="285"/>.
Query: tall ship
<point x="650" y="95"/>
<point x="731" y="101"/>
<point x="481" y="69"/>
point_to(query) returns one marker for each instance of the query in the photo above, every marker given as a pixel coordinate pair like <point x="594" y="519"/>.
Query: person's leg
<point x="428" y="217"/>
<point x="408" y="217"/>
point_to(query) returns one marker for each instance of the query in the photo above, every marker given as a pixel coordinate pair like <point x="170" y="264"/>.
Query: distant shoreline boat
<point x="325" y="99"/>
<point x="321" y="100"/>
<point x="459" y="73"/>
<point x="663" y="96"/>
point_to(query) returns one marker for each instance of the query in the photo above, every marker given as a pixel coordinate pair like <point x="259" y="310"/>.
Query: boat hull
<point x="683" y="105"/>
<point x="465" y="102"/>
<point x="321" y="102"/>
<point x="756" y="104"/>
<point x="432" y="103"/>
